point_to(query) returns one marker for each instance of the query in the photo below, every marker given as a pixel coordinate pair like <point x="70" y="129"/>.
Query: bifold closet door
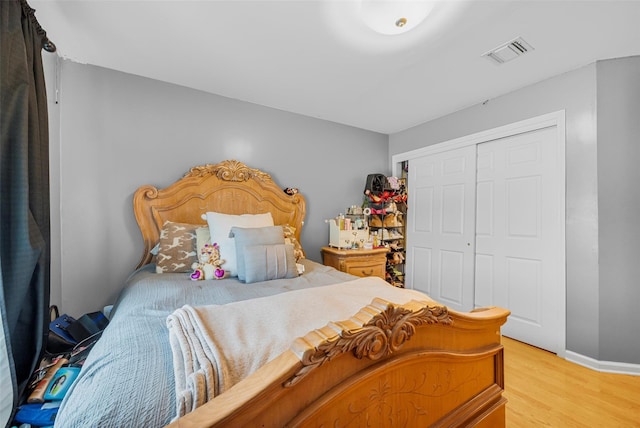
<point x="441" y="226"/>
<point x="486" y="228"/>
<point x="519" y="235"/>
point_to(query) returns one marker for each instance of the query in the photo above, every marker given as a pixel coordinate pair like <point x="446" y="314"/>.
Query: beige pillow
<point x="290" y="238"/>
<point x="177" y="249"/>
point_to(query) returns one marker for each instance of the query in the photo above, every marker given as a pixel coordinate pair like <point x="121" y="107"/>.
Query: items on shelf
<point x="379" y="222"/>
<point x="349" y="231"/>
<point x="385" y="206"/>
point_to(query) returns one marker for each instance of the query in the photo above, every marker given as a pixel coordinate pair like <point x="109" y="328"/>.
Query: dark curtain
<point x="24" y="190"/>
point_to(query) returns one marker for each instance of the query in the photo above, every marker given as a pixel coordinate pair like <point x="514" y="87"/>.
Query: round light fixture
<point x="394" y="16"/>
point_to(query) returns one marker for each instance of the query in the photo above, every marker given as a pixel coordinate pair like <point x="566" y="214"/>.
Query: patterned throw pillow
<point x="177" y="251"/>
<point x="290" y="238"/>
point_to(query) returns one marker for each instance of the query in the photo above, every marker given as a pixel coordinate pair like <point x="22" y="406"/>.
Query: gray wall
<point x="118" y="131"/>
<point x="618" y="207"/>
<point x="593" y="319"/>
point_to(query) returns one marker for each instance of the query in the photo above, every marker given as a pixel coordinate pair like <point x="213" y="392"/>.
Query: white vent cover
<point x="508" y="51"/>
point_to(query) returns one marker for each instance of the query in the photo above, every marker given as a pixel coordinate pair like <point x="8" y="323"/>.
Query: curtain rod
<point x="47" y="44"/>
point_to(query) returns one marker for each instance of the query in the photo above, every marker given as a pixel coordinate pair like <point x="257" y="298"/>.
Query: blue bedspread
<point x="128" y="380"/>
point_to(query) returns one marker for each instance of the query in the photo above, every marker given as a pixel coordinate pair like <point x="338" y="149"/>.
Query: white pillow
<point x="203" y="237"/>
<point x="220" y="226"/>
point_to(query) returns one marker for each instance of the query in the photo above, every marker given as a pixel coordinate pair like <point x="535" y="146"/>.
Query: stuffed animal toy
<point x="209" y="265"/>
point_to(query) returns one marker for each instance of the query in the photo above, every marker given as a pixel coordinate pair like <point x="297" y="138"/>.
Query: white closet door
<point x="518" y="235"/>
<point x="441" y="223"/>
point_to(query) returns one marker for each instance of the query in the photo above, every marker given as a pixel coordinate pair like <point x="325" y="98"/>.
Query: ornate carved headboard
<point x="229" y="187"/>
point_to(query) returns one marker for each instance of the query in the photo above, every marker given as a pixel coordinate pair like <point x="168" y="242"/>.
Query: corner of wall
<point x="52" y="65"/>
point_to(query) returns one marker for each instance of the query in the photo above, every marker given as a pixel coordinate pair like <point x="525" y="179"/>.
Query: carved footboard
<point x="414" y="365"/>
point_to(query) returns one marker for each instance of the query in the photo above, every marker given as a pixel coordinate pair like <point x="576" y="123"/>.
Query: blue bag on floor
<point x="41" y="414"/>
<point x="59" y="339"/>
<point x="60" y="326"/>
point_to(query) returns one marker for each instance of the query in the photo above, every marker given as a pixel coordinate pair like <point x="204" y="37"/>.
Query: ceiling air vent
<point x="508" y="51"/>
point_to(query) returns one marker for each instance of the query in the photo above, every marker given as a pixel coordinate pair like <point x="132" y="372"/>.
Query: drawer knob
<point x="367" y="273"/>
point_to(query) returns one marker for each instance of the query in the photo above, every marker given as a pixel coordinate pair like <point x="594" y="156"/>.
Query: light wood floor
<point x="545" y="390"/>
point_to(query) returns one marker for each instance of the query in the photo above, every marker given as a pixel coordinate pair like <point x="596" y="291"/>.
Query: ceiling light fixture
<point x="394" y="16"/>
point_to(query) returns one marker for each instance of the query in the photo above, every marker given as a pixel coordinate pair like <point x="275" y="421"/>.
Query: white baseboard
<point x="603" y="366"/>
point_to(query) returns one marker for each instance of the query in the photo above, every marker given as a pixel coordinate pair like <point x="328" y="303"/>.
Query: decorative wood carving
<point x="399" y="401"/>
<point x="407" y="400"/>
<point x="385" y="333"/>
<point x="230" y="170"/>
<point x="229" y="187"/>
<point x="463" y="363"/>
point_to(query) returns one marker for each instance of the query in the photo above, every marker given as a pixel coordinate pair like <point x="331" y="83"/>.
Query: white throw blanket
<point x="216" y="346"/>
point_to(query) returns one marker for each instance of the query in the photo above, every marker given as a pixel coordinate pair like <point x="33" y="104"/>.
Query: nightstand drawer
<point x="364" y="269"/>
<point x="357" y="262"/>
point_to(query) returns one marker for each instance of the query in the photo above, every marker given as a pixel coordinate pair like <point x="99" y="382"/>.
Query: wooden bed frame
<point x="414" y="365"/>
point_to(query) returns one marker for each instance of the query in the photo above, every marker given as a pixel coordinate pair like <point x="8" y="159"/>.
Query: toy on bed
<point x="291" y="191"/>
<point x="209" y="264"/>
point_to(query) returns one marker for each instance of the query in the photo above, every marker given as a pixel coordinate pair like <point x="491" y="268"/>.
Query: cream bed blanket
<point x="216" y="346"/>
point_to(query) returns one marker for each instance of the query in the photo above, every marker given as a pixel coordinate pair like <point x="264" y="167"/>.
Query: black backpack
<point x="376" y="184"/>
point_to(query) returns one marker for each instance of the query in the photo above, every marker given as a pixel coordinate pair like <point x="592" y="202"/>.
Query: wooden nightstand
<point x="357" y="262"/>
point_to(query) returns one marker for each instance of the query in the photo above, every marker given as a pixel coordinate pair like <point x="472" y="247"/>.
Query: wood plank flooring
<point x="547" y="391"/>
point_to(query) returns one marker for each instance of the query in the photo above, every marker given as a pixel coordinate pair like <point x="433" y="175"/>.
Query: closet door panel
<point x="484" y="281"/>
<point x="421" y="272"/>
<point x="424" y="206"/>
<point x="485" y="227"/>
<point x="451" y="286"/>
<point x="519" y="230"/>
<point x="524" y="289"/>
<point x="441" y="226"/>
<point x="453" y="206"/>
